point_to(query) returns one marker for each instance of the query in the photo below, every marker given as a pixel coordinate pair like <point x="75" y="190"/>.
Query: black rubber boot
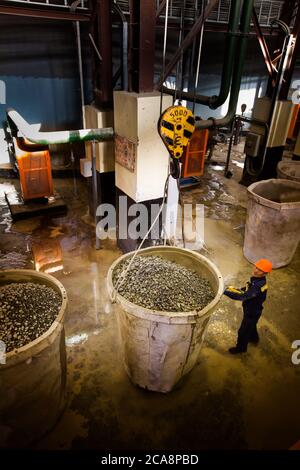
<point x="254" y="340"/>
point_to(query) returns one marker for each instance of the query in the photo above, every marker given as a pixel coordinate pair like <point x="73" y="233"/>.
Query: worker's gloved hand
<point x="233" y="289"/>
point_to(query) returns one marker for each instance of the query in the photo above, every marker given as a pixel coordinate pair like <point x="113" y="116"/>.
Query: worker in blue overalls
<point x="253" y="297"/>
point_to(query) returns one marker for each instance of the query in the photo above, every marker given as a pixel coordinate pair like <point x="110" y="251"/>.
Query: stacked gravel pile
<point x="156" y="283"/>
<point x="27" y="310"/>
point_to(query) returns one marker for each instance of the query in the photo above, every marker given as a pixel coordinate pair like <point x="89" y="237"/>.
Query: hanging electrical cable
<point x="182" y="212"/>
<point x="124" y="273"/>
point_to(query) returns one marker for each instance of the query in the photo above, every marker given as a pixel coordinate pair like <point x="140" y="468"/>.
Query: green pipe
<point x="228" y="64"/>
<point x="237" y="72"/>
<point x="18" y="124"/>
<point x="230" y="49"/>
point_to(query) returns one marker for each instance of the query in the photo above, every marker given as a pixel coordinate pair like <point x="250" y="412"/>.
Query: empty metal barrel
<point x="273" y="221"/>
<point x="289" y="170"/>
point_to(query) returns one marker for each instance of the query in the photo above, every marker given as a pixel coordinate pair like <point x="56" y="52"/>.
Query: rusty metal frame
<point x="286" y="16"/>
<point x="263" y="45"/>
<point x="288" y="75"/>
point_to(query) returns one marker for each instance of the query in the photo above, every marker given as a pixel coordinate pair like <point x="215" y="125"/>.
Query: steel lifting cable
<point x="124" y="273"/>
<point x="164" y="50"/>
<point x="182" y="212"/>
<point x="199" y="58"/>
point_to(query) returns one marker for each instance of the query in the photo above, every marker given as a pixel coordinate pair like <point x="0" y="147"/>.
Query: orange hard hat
<point x="264" y="265"/>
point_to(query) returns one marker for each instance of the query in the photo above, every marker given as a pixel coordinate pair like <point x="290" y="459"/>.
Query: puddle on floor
<point x="239" y="164"/>
<point x="42" y="242"/>
<point x="6" y="188"/>
<point x="13" y="260"/>
<point x="218" y="167"/>
<point x="216" y="197"/>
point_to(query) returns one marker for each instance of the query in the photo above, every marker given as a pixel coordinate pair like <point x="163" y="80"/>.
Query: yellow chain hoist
<point x="176" y="126"/>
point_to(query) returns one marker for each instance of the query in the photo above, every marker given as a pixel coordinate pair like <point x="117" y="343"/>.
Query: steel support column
<point x="103" y="32"/>
<point x="142" y="45"/>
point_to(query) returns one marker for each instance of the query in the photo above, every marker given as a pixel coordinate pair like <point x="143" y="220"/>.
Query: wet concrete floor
<point x="248" y="401"/>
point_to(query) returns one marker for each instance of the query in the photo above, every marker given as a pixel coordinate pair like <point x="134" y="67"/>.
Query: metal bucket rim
<point x="282" y="169"/>
<point x="161" y="315"/>
<point x="37" y="345"/>
<point x="288" y="162"/>
<point x="267" y="202"/>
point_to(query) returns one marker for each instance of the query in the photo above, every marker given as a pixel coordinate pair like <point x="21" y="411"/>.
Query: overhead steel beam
<point x="210" y="27"/>
<point x="45" y="14"/>
<point x="187" y="41"/>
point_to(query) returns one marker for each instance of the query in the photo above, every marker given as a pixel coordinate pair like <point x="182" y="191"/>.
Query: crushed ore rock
<point x="159" y="284"/>
<point x="27" y="310"/>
